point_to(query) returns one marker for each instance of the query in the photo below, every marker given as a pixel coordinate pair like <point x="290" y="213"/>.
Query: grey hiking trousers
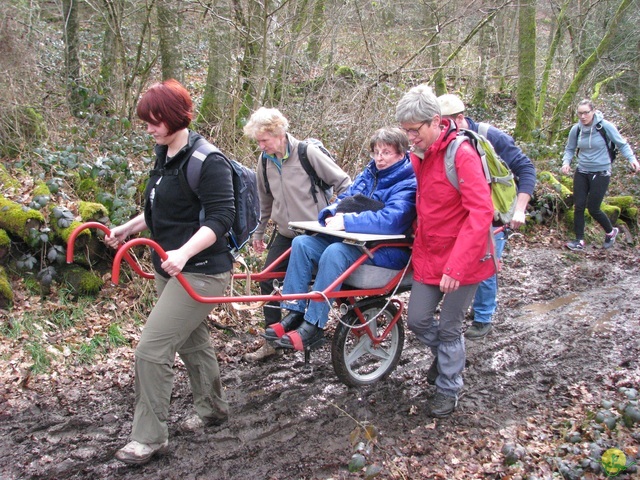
<point x="177" y="324"/>
<point x="443" y="335"/>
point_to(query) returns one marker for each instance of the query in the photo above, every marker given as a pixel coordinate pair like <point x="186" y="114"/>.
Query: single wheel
<point x="356" y="359"/>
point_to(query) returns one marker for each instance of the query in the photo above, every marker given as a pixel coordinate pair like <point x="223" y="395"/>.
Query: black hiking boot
<point x="477" y="330"/>
<point x="442" y="405"/>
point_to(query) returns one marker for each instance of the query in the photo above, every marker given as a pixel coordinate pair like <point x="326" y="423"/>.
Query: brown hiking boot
<point x="264" y="352"/>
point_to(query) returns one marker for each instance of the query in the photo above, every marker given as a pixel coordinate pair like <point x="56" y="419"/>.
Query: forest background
<point x="72" y="149"/>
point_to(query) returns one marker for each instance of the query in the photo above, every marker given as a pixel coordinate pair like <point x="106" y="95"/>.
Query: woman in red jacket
<point x="451" y="251"/>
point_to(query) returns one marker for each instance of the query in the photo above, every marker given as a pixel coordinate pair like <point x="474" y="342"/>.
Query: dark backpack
<point x="316" y="181"/>
<point x="245" y="190"/>
<point x="611" y="147"/>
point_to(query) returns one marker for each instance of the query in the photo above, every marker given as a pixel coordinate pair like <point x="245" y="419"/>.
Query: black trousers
<point x="589" y="190"/>
<point x="277" y="247"/>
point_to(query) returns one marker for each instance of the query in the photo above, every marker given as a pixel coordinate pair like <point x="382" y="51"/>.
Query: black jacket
<point x="173" y="216"/>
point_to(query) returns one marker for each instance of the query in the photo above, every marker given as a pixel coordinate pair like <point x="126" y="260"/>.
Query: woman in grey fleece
<point x="591" y="178"/>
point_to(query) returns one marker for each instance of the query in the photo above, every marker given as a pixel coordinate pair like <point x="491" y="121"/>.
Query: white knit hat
<point x="450" y="104"/>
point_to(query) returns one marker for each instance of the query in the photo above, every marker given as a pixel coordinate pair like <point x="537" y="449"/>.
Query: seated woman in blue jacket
<point x="381" y="200"/>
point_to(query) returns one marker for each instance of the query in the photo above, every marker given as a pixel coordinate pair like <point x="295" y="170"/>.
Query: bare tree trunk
<point x="254" y="35"/>
<point x="317" y="30"/>
<point x="216" y="95"/>
<point x="169" y="34"/>
<point x="526" y="92"/>
<point x="109" y="64"/>
<point x="72" y="61"/>
<point x="553" y="48"/>
<point x="438" y="79"/>
<point x="480" y="90"/>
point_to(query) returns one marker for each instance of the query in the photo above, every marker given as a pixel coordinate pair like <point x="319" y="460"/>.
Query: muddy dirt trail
<point x="566" y="335"/>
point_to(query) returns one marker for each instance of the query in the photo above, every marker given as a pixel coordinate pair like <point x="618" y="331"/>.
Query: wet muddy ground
<point x="566" y="336"/>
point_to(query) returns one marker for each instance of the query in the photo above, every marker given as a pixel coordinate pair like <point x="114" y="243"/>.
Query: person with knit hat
<point x="485" y="301"/>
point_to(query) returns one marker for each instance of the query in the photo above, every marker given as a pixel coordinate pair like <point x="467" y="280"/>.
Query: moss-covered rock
<point x="83" y="282"/>
<point x="19" y="220"/>
<point x="6" y="292"/>
<point x="623" y="202"/>
<point x="87" y="188"/>
<point x="7" y="182"/>
<point x="92" y="211"/>
<point x="549" y="178"/>
<point x="5" y="243"/>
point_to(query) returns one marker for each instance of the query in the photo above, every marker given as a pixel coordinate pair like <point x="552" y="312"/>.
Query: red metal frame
<point x="268" y="273"/>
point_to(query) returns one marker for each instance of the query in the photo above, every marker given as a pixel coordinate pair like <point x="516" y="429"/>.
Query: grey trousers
<point x="443" y="335"/>
<point x="177" y="324"/>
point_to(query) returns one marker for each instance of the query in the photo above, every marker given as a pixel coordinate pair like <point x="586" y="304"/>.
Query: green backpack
<point x="500" y="178"/>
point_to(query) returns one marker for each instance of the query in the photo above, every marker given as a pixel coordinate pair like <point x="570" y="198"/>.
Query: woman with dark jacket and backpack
<point x="593" y="173"/>
<point x="195" y="247"/>
<point x="380" y="200"/>
<point x="452" y="252"/>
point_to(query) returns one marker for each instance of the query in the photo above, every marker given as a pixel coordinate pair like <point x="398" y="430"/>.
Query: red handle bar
<point x="72" y="240"/>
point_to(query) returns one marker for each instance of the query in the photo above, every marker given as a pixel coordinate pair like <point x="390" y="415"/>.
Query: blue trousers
<point x="486" y="299"/>
<point x="327" y="256"/>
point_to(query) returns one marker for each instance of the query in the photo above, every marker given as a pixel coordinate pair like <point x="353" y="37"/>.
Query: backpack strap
<point x="483" y="129"/>
<point x="306" y="164"/>
<point x="264" y="174"/>
<point x="190" y="180"/>
<point x="611" y="148"/>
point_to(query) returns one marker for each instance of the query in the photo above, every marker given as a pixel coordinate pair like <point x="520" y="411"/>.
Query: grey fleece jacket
<point x="290" y="199"/>
<point x="592" y="149"/>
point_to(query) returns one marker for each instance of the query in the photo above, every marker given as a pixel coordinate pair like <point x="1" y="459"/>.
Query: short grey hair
<point x="418" y="105"/>
<point x="391" y="136"/>
<point x="266" y="120"/>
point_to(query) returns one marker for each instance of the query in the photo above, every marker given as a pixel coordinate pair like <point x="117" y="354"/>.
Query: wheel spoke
<point x="361" y="348"/>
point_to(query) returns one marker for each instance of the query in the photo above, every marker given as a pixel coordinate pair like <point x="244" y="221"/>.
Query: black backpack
<point x="316" y="181"/>
<point x="611" y="147"/>
<point x="245" y="190"/>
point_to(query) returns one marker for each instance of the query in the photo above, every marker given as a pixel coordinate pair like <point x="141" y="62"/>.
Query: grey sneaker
<point x="136" y="453"/>
<point x="477" y="330"/>
<point x="443" y="405"/>
<point x="576" y="245"/>
<point x="262" y="353"/>
<point x="610" y="238"/>
<point x="195" y="424"/>
<point x="432" y="373"/>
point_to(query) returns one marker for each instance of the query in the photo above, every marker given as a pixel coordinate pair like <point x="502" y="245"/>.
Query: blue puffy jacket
<point x="396" y="188"/>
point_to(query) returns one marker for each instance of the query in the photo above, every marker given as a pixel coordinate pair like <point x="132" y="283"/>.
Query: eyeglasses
<point x="582" y="114"/>
<point x="412" y="132"/>
<point x="383" y="153"/>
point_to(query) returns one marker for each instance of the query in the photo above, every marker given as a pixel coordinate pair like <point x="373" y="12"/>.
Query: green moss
<point x="82" y="281"/>
<point x="612" y="212"/>
<point x="65" y="233"/>
<point x="17" y="220"/>
<point x="549" y="178"/>
<point x="7" y="181"/>
<point x="624" y="202"/>
<point x="92" y="211"/>
<point x="345" y="72"/>
<point x="87" y="188"/>
<point x="5" y="241"/>
<point x="6" y="292"/>
<point x="41" y="188"/>
<point x="632" y="213"/>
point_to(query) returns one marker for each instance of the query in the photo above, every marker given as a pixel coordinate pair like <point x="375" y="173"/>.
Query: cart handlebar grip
<point x="100" y="226"/>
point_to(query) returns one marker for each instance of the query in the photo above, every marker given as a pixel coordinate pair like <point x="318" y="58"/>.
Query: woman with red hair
<point x="196" y="247"/>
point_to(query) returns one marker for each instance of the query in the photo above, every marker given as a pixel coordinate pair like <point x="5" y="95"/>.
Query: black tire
<point x="356" y="360"/>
